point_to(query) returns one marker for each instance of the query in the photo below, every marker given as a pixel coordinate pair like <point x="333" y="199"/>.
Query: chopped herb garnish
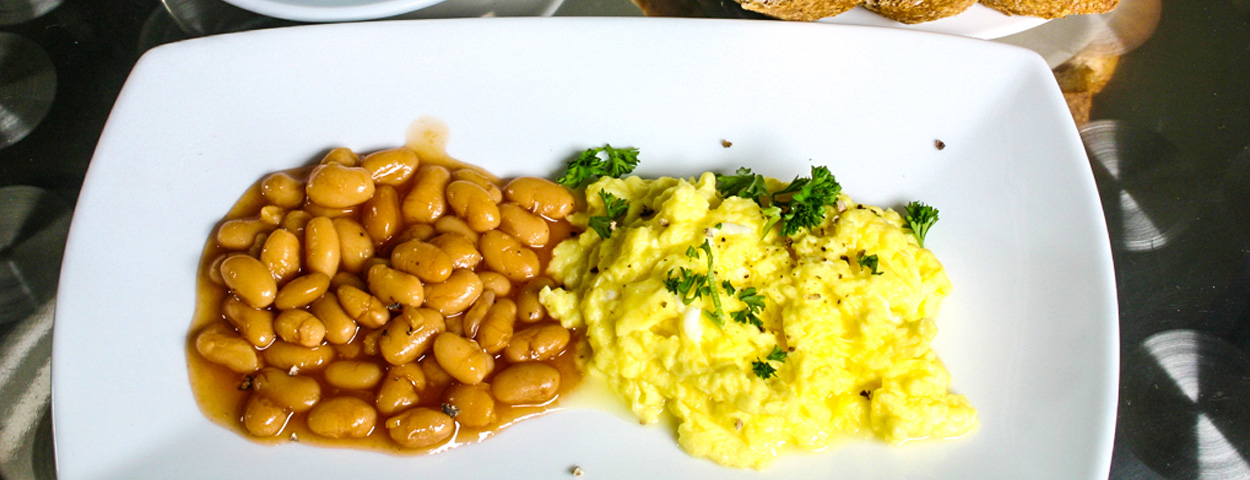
<point x="743" y="184"/>
<point x="919" y="218"/>
<point x="869" y="262"/>
<point x="806" y="207"/>
<point x="688" y="285"/>
<point x="763" y="368"/>
<point x="599" y="162"/>
<point x="755" y="305"/>
<point x="777" y="355"/>
<point x="799" y="205"/>
<point x="615" y="210"/>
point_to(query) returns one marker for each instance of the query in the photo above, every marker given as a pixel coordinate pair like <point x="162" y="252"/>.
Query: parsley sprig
<point x="870" y="262"/>
<point x="799" y="205"/>
<point x="593" y="163"/>
<point x="688" y="285"/>
<point x="763" y="367"/>
<point x="614" y="211"/>
<point x="919" y="218"/>
<point x="754" y="305"/>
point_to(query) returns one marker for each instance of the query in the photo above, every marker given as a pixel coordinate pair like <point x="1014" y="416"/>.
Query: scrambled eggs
<point x="841" y="347"/>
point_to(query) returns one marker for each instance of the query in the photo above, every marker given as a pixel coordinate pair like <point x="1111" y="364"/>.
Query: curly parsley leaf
<point x="593" y="163"/>
<point x="755" y="305"/>
<point x="805" y="208"/>
<point x="615" y="210"/>
<point x="764" y="368"/>
<point x="919" y="218"/>
<point x="869" y="262"/>
<point x="799" y="205"/>
<point x="742" y="184"/>
<point x="777" y="355"/>
<point x="688" y="285"/>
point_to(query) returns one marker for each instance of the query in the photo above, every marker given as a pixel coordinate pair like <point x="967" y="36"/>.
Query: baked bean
<point x="342" y="156"/>
<point x="295" y="392"/>
<point x="321" y="246"/>
<point x="370" y="262"/>
<point x="540" y="196"/>
<point x="391" y="167"/>
<point x="420" y="427"/>
<point x="355" y="245"/>
<point x="240" y="233"/>
<point x="495" y="282"/>
<point x="462" y="358"/>
<point x="340" y="327"/>
<point x="426" y="202"/>
<point x="353" y="349"/>
<point x="456" y="294"/>
<point x="526" y="383"/>
<point x="301" y="291"/>
<point x="539" y="342"/>
<point x="453" y="224"/>
<point x="473" y="204"/>
<point x="295" y="220"/>
<point x="528" y="228"/>
<point x="258" y="245"/>
<point x="393" y="286"/>
<point x="420" y="231"/>
<point x="462" y="250"/>
<point x="342" y="417"/>
<point x="283" y="355"/>
<point x="219" y="345"/>
<point x="400" y="388"/>
<point x="473" y="318"/>
<point x="272" y="215"/>
<point x="365" y="308"/>
<point x="455" y="324"/>
<point x="381" y="216"/>
<point x="346" y="278"/>
<point x="323" y="211"/>
<point x="256" y="325"/>
<point x="262" y="418"/>
<point x="507" y="256"/>
<point x="249" y="279"/>
<point x="334" y="185"/>
<point x="429" y="263"/>
<point x="436" y="378"/>
<point x="369" y="344"/>
<point x="353" y="374"/>
<point x="529" y="308"/>
<point x="480" y="179"/>
<point x="477" y="408"/>
<point x="497" y="328"/>
<point x="214" y="269"/>
<point x="281" y="254"/>
<point x="282" y="190"/>
<point x="299" y="327"/>
<point x="410" y="335"/>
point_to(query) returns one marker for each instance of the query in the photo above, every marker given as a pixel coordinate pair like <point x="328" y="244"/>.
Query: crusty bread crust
<point x="1051" y="8"/>
<point x="800" y="10"/>
<point x="918" y="11"/>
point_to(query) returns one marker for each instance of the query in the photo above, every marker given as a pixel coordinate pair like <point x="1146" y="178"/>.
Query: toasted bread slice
<point x="918" y="11"/>
<point x="800" y="10"/>
<point x="1051" y="8"/>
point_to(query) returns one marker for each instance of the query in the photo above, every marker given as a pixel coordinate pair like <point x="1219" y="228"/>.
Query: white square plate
<point x="1029" y="335"/>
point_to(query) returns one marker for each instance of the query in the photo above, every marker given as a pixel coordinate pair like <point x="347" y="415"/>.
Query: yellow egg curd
<point x="841" y="348"/>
